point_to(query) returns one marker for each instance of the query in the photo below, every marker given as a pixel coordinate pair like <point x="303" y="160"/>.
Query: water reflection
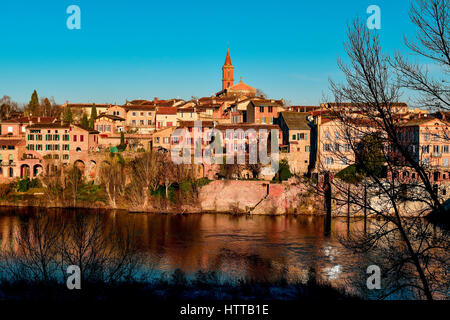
<point x="256" y="247"/>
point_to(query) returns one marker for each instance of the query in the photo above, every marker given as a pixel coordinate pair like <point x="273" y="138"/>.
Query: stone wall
<point x="243" y="196"/>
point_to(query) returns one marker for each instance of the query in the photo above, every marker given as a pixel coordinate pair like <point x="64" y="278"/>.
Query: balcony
<point x="7" y="164"/>
<point x="436" y="155"/>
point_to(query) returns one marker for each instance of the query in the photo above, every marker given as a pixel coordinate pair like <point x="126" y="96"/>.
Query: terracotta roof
<point x="59" y="125"/>
<point x="241" y="86"/>
<point x="32" y="119"/>
<point x="245" y="126"/>
<point x="54" y="125"/>
<point x="206" y="124"/>
<point x="110" y="116"/>
<point x="420" y="121"/>
<point x="12" y="142"/>
<point x="296" y="120"/>
<point x="166" y="110"/>
<point x="142" y="107"/>
<point x="85" y="105"/>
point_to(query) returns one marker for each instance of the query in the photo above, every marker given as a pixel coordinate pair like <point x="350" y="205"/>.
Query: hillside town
<point x="32" y="145"/>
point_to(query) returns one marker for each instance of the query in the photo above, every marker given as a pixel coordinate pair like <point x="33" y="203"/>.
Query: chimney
<point x="39" y="119"/>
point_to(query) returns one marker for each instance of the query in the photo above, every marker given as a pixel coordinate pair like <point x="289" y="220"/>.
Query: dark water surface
<point x="255" y="247"/>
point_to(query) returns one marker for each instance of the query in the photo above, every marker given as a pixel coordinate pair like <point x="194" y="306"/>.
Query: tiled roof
<point x="139" y="107"/>
<point x="166" y="110"/>
<point x="420" y="121"/>
<point x="32" y="119"/>
<point x="12" y="142"/>
<point x="296" y="120"/>
<point x="110" y="116"/>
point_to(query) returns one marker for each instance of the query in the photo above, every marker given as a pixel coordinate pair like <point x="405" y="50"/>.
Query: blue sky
<point x="144" y="49"/>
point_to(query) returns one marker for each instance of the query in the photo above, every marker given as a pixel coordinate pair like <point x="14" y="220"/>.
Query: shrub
<point x="5" y="189"/>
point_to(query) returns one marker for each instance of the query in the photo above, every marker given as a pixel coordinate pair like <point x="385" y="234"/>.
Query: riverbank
<point x="176" y="286"/>
<point x="219" y="196"/>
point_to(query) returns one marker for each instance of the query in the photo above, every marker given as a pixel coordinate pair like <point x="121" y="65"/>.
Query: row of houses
<point x="310" y="141"/>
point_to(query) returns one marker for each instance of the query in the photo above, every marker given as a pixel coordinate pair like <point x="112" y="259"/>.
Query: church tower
<point x="227" y="72"/>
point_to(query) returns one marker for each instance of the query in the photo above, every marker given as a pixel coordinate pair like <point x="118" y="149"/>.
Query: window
<point x="166" y="139"/>
<point x="81" y="138"/>
<point x="142" y="114"/>
<point x="307" y="148"/>
<point x="336" y="134"/>
<point x="149" y="122"/>
<point x="344" y="160"/>
<point x="445" y="149"/>
<point x="435" y="137"/>
<point x="337" y="147"/>
<point x="436" y="149"/>
<point x="270" y="109"/>
<point x="39" y="147"/>
<point x="327" y="135"/>
<point x="426" y="161"/>
<point x="65" y="157"/>
<point x="327" y="147"/>
<point x="75" y="137"/>
<point x="425" y="149"/>
<point x="141" y="122"/>
<point x="133" y="114"/>
<point x="10" y="129"/>
<point x="329" y="160"/>
<point x="261" y="109"/>
<point x="107" y="128"/>
<point x="169" y="124"/>
<point x="427" y="136"/>
<point x="149" y="114"/>
<point x="445" y="162"/>
<point x="133" y="122"/>
<point x="294" y="137"/>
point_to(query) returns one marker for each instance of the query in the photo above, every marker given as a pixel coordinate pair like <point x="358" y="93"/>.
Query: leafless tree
<point x="145" y="172"/>
<point x="33" y="253"/>
<point x="112" y="176"/>
<point x="367" y="123"/>
<point x="431" y="80"/>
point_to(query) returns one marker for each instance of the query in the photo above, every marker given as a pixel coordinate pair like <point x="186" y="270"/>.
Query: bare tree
<point x="432" y="21"/>
<point x="145" y="171"/>
<point x="112" y="176"/>
<point x="367" y="128"/>
<point x="33" y="253"/>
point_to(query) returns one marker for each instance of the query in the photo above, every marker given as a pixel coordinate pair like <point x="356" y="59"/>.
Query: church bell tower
<point x="227" y="72"/>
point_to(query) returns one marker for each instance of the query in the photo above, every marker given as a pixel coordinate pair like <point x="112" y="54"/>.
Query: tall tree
<point x="68" y="117"/>
<point x="33" y="105"/>
<point x="85" y="121"/>
<point x="93" y="116"/>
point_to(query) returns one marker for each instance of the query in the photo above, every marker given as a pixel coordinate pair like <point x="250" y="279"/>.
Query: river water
<point x="252" y="247"/>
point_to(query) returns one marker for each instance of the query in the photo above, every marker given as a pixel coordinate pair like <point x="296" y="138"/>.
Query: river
<point x="252" y="247"/>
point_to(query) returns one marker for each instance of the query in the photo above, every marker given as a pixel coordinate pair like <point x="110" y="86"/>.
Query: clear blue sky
<point x="144" y="49"/>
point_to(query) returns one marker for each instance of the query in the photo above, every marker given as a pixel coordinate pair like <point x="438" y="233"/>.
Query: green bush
<point x="23" y="185"/>
<point x="350" y="174"/>
<point x="284" y="172"/>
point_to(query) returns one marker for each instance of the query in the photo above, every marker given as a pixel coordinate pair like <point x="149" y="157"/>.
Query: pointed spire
<point x="228" y="58"/>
